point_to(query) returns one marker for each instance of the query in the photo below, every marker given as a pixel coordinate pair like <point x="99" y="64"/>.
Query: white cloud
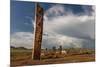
<point x="22" y="39"/>
<point x="55" y="10"/>
<point x="78" y="30"/>
<point x="70" y="25"/>
<point x="61" y="28"/>
<point x="66" y="42"/>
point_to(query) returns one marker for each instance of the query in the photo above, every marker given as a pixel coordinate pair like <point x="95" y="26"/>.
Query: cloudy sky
<point x="72" y="26"/>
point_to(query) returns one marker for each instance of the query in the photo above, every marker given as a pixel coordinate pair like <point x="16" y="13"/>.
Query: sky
<point x="69" y="25"/>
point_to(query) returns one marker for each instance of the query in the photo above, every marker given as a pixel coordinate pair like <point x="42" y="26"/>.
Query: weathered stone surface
<point x="38" y="33"/>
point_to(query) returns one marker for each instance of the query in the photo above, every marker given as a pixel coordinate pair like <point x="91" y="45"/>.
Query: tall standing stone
<point x="38" y="32"/>
<point x="60" y="49"/>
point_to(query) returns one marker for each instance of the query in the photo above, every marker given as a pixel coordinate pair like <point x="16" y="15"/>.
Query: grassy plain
<point x="20" y="56"/>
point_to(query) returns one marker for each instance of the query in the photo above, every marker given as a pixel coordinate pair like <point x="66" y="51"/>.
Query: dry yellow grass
<point x="23" y="57"/>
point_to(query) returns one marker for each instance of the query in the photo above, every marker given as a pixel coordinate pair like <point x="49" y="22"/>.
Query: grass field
<point x="20" y="57"/>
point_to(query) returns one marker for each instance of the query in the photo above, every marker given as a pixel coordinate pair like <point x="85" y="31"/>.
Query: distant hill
<point x="12" y="47"/>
